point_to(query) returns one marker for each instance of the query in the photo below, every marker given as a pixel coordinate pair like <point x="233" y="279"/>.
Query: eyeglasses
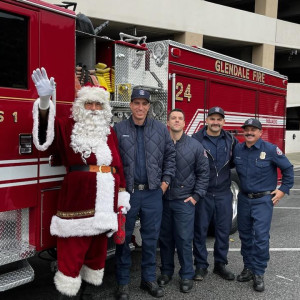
<point x="90" y="104"/>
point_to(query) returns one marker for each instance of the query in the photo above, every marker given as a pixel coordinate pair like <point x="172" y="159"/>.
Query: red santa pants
<point x="74" y="252"/>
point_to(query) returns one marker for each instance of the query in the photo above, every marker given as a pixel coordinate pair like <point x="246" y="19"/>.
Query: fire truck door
<point x="238" y="102"/>
<point x="271" y="110"/>
<point x="189" y="95"/>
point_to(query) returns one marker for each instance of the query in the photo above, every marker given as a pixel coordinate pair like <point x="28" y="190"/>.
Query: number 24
<point x="186" y="93"/>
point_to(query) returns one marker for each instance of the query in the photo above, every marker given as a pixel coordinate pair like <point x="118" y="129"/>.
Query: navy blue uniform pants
<point x="177" y="230"/>
<point x="148" y="205"/>
<point x="206" y="207"/>
<point x="254" y="223"/>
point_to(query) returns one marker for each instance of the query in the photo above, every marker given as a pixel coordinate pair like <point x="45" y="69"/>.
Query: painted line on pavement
<point x="284" y="278"/>
<point x="271" y="249"/>
<point x="282" y="207"/>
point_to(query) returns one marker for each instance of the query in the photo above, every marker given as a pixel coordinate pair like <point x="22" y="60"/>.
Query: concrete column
<point x="267" y="8"/>
<point x="189" y="38"/>
<point x="264" y="56"/>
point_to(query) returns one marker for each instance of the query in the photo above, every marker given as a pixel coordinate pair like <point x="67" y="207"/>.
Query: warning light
<point x="176" y="52"/>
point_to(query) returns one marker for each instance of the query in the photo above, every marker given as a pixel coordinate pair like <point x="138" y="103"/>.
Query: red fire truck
<point x="37" y="34"/>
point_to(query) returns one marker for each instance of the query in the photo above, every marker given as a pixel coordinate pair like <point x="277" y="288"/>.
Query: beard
<point x="90" y="130"/>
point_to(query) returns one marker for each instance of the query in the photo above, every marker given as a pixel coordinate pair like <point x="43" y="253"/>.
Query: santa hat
<point x="92" y="93"/>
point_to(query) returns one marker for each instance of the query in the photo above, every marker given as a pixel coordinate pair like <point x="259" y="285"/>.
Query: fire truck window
<point x="13" y="50"/>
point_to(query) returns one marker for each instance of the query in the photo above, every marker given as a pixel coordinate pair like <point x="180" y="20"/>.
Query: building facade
<point x="263" y="32"/>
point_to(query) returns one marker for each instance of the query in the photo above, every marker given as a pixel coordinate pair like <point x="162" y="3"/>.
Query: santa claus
<point x="93" y="188"/>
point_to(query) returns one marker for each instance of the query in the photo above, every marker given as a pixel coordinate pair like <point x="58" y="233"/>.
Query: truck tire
<point x="235" y="188"/>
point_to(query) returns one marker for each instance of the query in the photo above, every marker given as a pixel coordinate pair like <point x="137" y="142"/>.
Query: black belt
<point x="258" y="195"/>
<point x="140" y="186"/>
<point x="92" y="168"/>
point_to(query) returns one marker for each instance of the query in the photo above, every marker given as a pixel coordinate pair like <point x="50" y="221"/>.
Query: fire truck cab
<point x="37" y="34"/>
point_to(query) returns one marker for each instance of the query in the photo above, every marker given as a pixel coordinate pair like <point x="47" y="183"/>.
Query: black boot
<point x="258" y="283"/>
<point x="246" y="275"/>
<point x="89" y="291"/>
<point x="220" y="270"/>
<point x="122" y="292"/>
<point x="186" y="285"/>
<point x="200" y="273"/>
<point x="65" y="297"/>
<point x="152" y="288"/>
<point x="163" y="280"/>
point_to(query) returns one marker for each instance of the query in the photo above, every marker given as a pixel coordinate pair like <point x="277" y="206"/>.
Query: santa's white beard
<point x="90" y="130"/>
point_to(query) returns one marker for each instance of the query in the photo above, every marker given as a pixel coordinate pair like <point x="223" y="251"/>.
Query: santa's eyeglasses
<point x="91" y="104"/>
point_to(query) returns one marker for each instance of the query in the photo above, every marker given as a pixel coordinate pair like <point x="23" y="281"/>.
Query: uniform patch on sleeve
<point x="279" y="152"/>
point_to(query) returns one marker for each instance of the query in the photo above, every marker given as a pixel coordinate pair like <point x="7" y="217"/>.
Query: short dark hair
<point x="176" y="109"/>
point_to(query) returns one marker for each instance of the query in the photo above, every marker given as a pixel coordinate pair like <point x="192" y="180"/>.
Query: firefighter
<point x="217" y="202"/>
<point x="92" y="189"/>
<point x="256" y="163"/>
<point x="148" y="156"/>
<point x="190" y="183"/>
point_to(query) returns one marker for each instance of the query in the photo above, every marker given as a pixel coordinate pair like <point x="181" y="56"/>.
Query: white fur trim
<point x="67" y="285"/>
<point x="105" y="219"/>
<point x="110" y="233"/>
<point x="123" y="200"/>
<point x="88" y="93"/>
<point x="84" y="226"/>
<point x="105" y="202"/>
<point x="103" y="155"/>
<point x="50" y="129"/>
<point x="94" y="277"/>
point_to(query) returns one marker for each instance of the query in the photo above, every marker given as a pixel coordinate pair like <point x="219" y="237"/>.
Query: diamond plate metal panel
<point x="23" y="274"/>
<point x="14" y="236"/>
<point x="146" y="69"/>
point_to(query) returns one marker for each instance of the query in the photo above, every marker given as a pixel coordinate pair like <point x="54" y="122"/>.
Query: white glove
<point x="124" y="210"/>
<point x="123" y="200"/>
<point x="44" y="86"/>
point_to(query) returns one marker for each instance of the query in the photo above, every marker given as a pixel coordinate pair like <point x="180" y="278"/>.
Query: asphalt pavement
<point x="282" y="277"/>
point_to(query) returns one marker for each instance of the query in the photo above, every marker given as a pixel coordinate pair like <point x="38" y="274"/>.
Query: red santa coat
<point x="88" y="201"/>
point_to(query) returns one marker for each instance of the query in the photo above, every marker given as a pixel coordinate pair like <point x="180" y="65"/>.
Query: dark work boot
<point x="200" y="274"/>
<point x="220" y="270"/>
<point x="122" y="292"/>
<point x="65" y="297"/>
<point x="186" y="285"/>
<point x="258" y="283"/>
<point x="89" y="291"/>
<point x="152" y="288"/>
<point x="246" y="275"/>
<point x="163" y="280"/>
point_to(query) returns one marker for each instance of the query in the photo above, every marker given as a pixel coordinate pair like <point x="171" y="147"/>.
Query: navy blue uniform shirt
<point x="257" y="167"/>
<point x="140" y="171"/>
<point x="216" y="145"/>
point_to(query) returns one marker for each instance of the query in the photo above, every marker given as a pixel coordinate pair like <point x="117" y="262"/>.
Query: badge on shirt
<point x="279" y="152"/>
<point x="262" y="155"/>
